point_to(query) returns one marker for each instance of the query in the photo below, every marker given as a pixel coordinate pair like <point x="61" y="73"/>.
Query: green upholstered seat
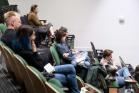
<point x="40" y="84"/>
<point x="96" y="61"/>
<point x="3" y="28"/>
<point x="1" y="42"/>
<point x="55" y="81"/>
<point x="55" y="55"/>
<point x="25" y="81"/>
<point x="113" y="84"/>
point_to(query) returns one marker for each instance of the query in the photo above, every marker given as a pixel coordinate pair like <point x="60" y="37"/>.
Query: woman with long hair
<point x="67" y="54"/>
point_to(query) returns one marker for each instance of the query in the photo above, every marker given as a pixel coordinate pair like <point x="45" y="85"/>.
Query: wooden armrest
<point x="92" y="89"/>
<point x="80" y="82"/>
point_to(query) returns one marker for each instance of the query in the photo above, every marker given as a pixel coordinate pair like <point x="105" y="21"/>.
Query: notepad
<point x="49" y="68"/>
<point x="80" y="58"/>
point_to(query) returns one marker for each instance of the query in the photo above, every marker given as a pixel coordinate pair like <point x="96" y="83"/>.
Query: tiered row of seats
<point x="33" y="81"/>
<point x="27" y="76"/>
<point x="30" y="78"/>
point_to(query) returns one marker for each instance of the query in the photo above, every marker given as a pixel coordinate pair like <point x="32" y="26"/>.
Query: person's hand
<point x="74" y="51"/>
<point x="65" y="55"/>
<point x="32" y="37"/>
<point x="34" y="48"/>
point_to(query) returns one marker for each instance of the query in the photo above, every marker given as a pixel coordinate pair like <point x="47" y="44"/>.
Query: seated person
<point x="44" y="28"/>
<point x="121" y="74"/>
<point x="68" y="55"/>
<point x="12" y="20"/>
<point x="27" y="49"/>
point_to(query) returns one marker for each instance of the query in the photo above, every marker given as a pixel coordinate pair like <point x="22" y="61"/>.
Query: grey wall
<point x="94" y="20"/>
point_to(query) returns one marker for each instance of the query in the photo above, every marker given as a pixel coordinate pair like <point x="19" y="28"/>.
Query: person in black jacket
<point x="12" y="20"/>
<point x="25" y="46"/>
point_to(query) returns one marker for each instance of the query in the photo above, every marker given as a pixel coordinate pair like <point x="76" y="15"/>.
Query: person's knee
<point x="74" y="63"/>
<point x="120" y="81"/>
<point x="71" y="68"/>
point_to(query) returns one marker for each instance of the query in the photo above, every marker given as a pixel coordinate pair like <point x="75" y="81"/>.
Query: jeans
<point x="66" y="74"/>
<point x="122" y="73"/>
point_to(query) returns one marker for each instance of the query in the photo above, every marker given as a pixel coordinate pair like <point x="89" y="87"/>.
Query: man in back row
<point x="13" y="22"/>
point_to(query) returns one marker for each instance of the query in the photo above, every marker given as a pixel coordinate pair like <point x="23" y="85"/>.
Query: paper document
<point x="79" y="59"/>
<point x="49" y="68"/>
